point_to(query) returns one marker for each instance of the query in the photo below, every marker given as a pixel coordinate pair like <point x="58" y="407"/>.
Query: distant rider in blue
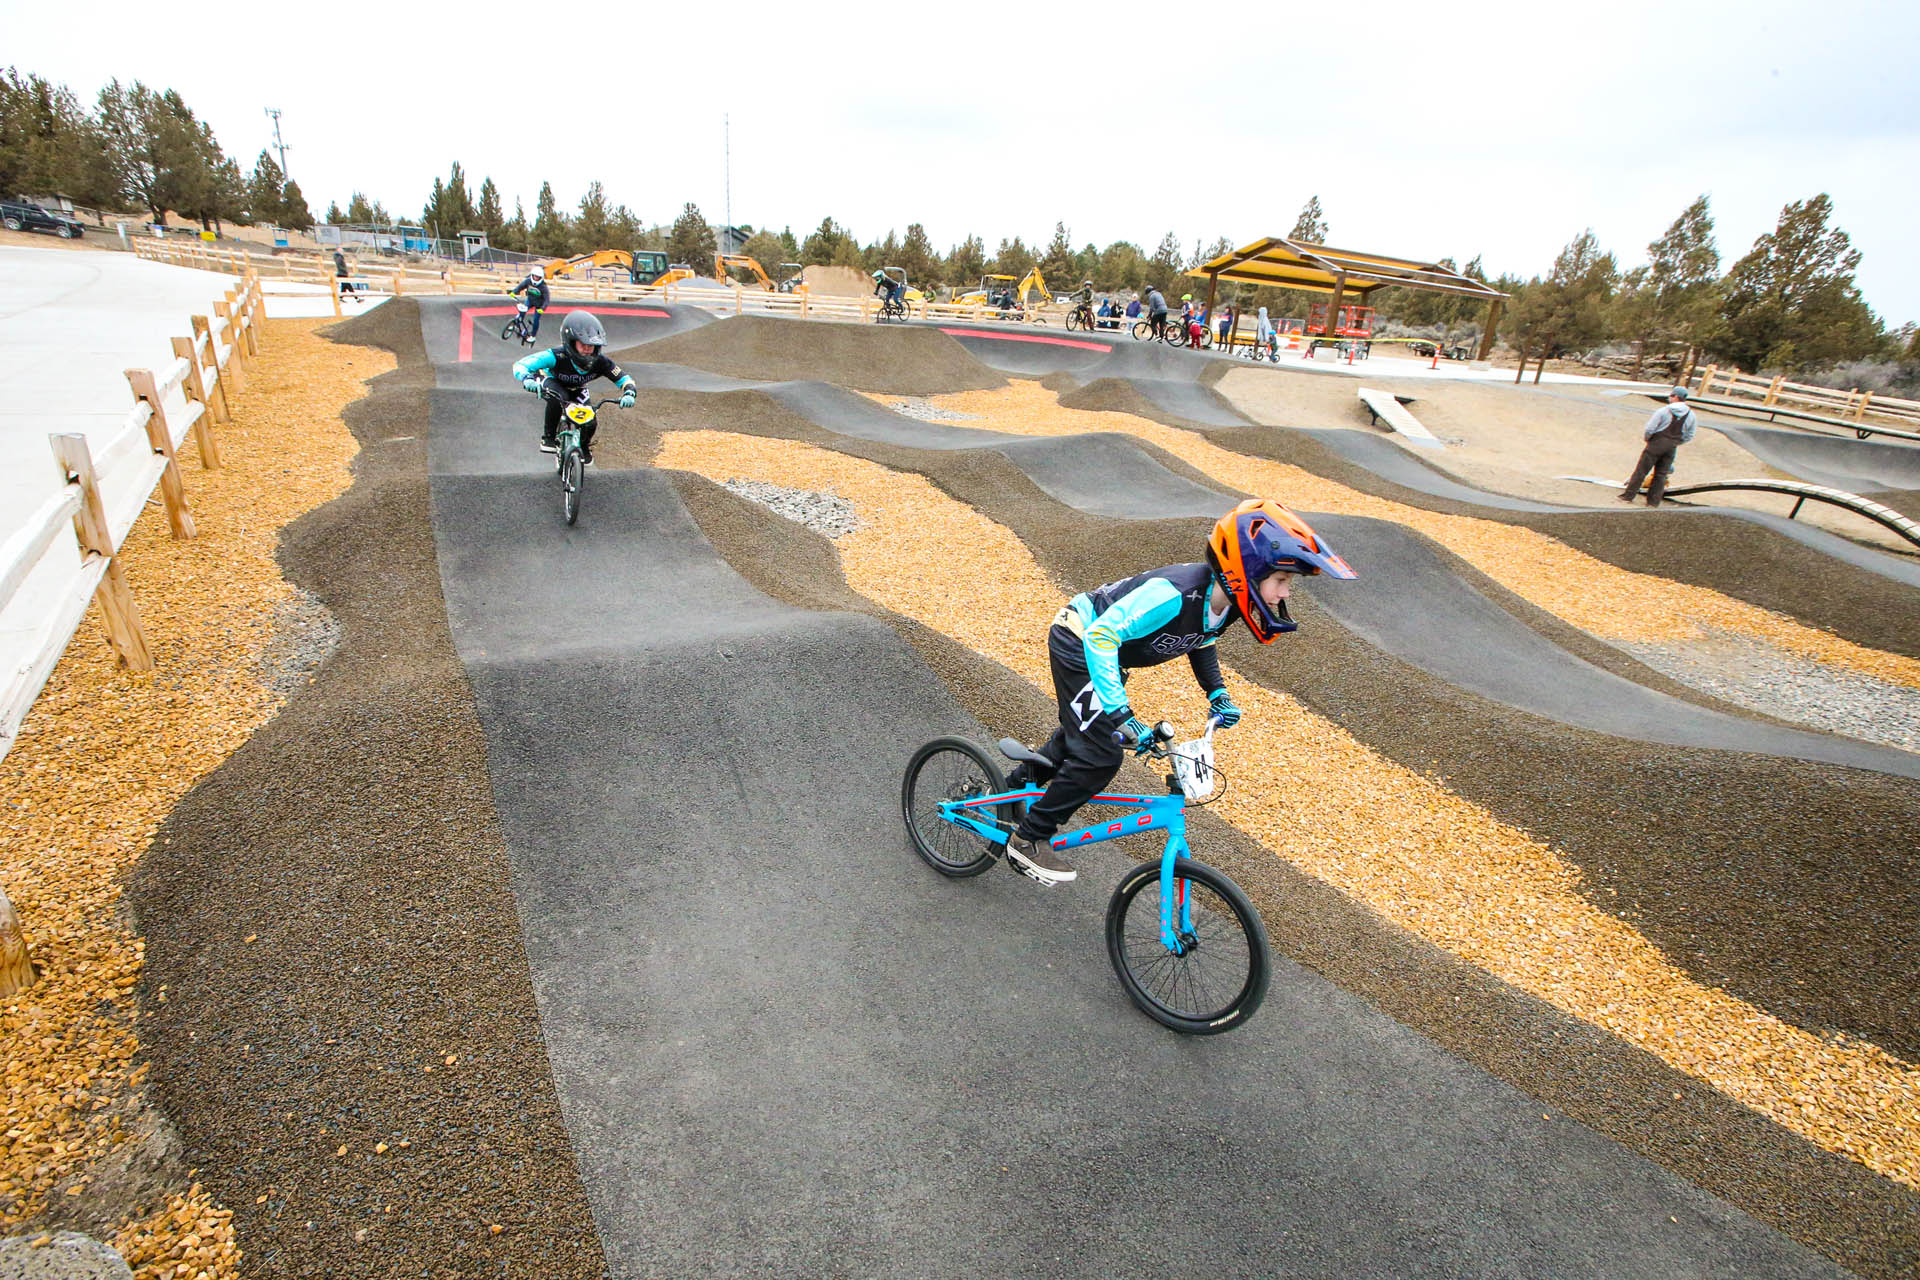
<point x="570" y="366"/>
<point x="534" y="285"/>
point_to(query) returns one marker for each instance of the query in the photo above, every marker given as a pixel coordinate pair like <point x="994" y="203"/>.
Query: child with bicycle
<point x="1253" y="554"/>
<point x="568" y="368"/>
<point x="534" y="285"/>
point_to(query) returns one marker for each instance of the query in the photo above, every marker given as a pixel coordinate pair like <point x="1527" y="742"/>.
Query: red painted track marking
<point x="1027" y="337"/>
<point x="468" y="313"/>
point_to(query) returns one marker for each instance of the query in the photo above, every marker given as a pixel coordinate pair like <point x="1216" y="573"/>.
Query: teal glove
<point x="531" y="384"/>
<point x="1224" y="706"/>
<point x="1134" y="733"/>
<point x="626" y="400"/>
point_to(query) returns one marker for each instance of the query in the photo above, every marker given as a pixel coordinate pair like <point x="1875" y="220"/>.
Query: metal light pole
<point x="278" y="145"/>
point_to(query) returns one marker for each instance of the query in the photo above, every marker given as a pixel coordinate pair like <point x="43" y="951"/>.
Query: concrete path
<point x="786" y="1047"/>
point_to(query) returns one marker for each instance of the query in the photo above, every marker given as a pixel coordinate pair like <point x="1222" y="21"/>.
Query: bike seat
<point x="1015" y="751"/>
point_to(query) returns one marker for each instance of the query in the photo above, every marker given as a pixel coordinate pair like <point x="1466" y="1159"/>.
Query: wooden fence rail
<point x="1853" y="405"/>
<point x="101" y="496"/>
<point x="395" y="279"/>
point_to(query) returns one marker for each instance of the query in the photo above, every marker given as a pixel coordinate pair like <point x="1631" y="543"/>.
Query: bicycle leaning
<point x="579" y="412"/>
<point x="1189" y="948"/>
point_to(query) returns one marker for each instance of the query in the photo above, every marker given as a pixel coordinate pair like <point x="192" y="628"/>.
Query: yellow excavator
<point x="645" y="266"/>
<point x="791" y="280"/>
<point x="992" y="286"/>
<point x="721" y="261"/>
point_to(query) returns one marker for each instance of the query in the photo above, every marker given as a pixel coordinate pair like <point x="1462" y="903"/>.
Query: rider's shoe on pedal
<point x="549" y="444"/>
<point x="586" y="454"/>
<point x="1037" y="860"/>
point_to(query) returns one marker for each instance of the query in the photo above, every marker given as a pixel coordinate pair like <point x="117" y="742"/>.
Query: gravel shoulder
<point x="350" y="1045"/>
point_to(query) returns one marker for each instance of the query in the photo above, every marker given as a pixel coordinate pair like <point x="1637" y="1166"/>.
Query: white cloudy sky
<point x="1444" y="127"/>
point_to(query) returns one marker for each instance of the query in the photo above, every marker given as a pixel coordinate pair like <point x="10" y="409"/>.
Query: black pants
<point x="1084" y="753"/>
<point x="1158" y="322"/>
<point x="552" y="427"/>
<point x="1658" y="458"/>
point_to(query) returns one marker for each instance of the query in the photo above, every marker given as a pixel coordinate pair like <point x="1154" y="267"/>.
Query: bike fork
<point x="1176" y="906"/>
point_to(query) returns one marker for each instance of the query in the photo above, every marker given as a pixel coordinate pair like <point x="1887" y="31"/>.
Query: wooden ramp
<point x="1390" y="410"/>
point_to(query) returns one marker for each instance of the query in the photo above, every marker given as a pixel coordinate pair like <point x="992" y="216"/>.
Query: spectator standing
<point x="1670" y="427"/>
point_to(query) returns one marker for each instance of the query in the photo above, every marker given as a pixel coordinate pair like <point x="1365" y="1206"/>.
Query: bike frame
<point x="1159" y="813"/>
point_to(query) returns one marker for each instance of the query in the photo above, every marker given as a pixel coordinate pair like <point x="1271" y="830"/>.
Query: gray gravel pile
<point x="926" y="411"/>
<point x="825" y="513"/>
<point x="1753" y="673"/>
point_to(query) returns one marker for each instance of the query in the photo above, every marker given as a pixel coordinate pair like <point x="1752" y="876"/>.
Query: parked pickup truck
<point x="24" y="215"/>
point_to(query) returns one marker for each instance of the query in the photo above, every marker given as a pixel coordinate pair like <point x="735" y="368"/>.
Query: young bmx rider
<point x="1253" y="554"/>
<point x="534" y="285"/>
<point x="570" y="367"/>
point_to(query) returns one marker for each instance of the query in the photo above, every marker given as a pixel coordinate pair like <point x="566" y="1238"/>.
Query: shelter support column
<point x="1486" y="335"/>
<point x="1213" y="285"/>
<point x="1333" y="306"/>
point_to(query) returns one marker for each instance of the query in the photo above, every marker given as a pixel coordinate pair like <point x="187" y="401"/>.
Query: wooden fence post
<point x="223" y="386"/>
<point x="396" y="284"/>
<point x="197" y="388"/>
<point x="335" y="285"/>
<point x="236" y="348"/>
<point x="1773" y="390"/>
<point x="95" y="535"/>
<point x="160" y="436"/>
<point x="16" y="961"/>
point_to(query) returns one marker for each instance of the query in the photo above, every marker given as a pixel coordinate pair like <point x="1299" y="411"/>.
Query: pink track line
<point x="468" y="313"/>
<point x="1027" y="337"/>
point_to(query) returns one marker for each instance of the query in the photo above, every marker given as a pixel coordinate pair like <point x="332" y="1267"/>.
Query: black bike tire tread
<point x="952" y="870"/>
<point x="572" y="492"/>
<point x="1259" y="963"/>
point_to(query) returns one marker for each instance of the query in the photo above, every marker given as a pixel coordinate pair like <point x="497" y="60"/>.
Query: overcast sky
<point x="1498" y="129"/>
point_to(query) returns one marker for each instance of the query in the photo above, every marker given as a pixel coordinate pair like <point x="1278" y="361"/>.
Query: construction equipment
<point x="1035" y="283"/>
<point x="645" y="266"/>
<point x="991" y="286"/>
<point x="721" y="261"/>
<point x="790" y="282"/>
<point x="1355" y="322"/>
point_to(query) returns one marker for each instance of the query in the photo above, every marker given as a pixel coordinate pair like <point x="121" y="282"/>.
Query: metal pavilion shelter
<point x="1344" y="275"/>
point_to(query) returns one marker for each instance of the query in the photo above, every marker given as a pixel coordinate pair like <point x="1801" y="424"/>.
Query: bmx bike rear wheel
<point x="948" y="769"/>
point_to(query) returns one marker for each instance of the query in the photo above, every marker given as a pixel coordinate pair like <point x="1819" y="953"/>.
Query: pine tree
<point x="1568" y="310"/>
<point x="158" y="156"/>
<point x="827" y="244"/>
<point x="593" y="226"/>
<point x="789" y="245"/>
<point x="334" y="215"/>
<point x="489" y="212"/>
<point x="692" y="240"/>
<point x="967" y="263"/>
<point x="1311" y="225"/>
<point x="264" y="190"/>
<point x="1792" y="302"/>
<point x="549" y="235"/>
<point x="919" y="258"/>
<point x="294" y="213"/>
<point x="1056" y="263"/>
<point x="1166" y="265"/>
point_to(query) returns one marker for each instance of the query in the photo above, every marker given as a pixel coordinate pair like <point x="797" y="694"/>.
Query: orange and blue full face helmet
<point x="1260" y="537"/>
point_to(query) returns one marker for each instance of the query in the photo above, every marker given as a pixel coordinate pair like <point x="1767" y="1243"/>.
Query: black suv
<point x="24" y="215"/>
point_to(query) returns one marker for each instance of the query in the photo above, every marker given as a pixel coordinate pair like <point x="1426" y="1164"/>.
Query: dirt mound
<point x="838" y="282"/>
<point x="894" y="359"/>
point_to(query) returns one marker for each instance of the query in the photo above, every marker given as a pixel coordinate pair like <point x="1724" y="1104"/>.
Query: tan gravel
<point x="102" y="758"/>
<point x="1412" y="851"/>
<point x="1600" y="598"/>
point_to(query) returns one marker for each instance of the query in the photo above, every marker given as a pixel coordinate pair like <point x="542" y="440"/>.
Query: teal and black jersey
<point x="570" y="372"/>
<point x="1144" y="621"/>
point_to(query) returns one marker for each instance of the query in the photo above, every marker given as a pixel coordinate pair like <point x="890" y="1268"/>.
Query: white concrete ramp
<point x="1387" y="408"/>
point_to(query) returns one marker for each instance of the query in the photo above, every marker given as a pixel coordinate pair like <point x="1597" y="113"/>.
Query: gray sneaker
<point x="1037" y="860"/>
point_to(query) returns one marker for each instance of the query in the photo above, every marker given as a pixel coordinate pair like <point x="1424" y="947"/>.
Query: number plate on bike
<point x="579" y="413"/>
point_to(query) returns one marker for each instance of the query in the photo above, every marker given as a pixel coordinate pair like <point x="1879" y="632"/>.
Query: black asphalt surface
<point x="1171" y="379"/>
<point x="1856" y="466"/>
<point x="783" y="1046"/>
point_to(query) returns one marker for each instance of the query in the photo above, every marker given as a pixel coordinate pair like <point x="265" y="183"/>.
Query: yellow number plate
<point x="580" y="413"/>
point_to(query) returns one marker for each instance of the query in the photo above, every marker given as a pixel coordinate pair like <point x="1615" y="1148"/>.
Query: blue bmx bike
<point x="1190" y="950"/>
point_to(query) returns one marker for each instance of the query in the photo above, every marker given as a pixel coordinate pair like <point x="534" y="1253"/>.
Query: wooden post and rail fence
<point x="101" y="495"/>
<point x="1847" y="406"/>
<point x="426" y="278"/>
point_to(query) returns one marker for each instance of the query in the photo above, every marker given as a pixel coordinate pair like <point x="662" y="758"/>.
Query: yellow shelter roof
<point x="1297" y="264"/>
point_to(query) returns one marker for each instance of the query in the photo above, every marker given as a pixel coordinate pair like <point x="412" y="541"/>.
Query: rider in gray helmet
<point x="569" y="367"/>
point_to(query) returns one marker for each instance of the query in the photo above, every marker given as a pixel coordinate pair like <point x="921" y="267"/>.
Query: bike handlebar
<point x="1162" y="734"/>
<point x="548" y="392"/>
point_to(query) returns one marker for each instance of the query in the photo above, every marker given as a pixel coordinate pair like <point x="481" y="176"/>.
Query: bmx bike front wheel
<point x="1216" y="975"/>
